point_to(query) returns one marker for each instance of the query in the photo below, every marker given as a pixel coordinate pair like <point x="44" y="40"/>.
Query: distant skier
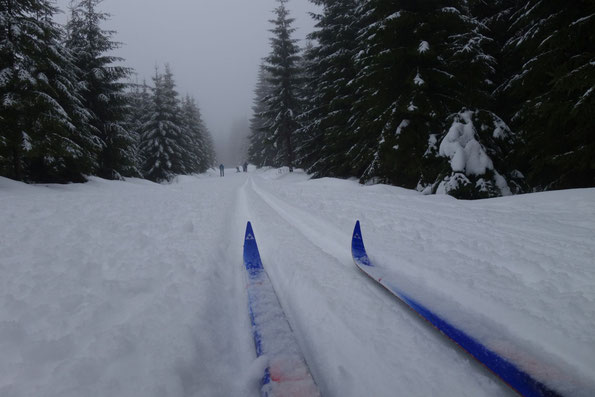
<point x="221" y="170"/>
<point x="245" y="166"/>
<point x="238" y="169"/>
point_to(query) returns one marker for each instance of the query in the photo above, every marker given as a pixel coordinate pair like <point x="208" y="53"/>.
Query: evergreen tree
<point x="260" y="152"/>
<point x="549" y="92"/>
<point x="406" y="83"/>
<point x="308" y="136"/>
<point x="328" y="141"/>
<point x="197" y="156"/>
<point x="209" y="149"/>
<point x="281" y="107"/>
<point x="475" y="131"/>
<point x="140" y="103"/>
<point x="42" y="134"/>
<point x="172" y="113"/>
<point x="162" y="137"/>
<point x="104" y="93"/>
<point x="422" y="65"/>
<point x="471" y="157"/>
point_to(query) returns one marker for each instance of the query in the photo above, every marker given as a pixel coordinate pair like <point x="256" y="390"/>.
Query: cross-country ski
<point x="286" y="372"/>
<point x="510" y="373"/>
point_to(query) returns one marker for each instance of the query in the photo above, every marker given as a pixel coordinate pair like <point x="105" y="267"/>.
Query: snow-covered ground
<point x="137" y="289"/>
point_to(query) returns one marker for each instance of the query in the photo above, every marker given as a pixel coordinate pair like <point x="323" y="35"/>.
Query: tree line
<point x="471" y="98"/>
<point x="66" y="110"/>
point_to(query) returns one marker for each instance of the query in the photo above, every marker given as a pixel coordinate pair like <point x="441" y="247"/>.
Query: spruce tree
<point x="282" y="105"/>
<point x="308" y="136"/>
<point x="208" y="160"/>
<point x="197" y="154"/>
<point x="329" y="142"/>
<point x="162" y="136"/>
<point x="172" y="113"/>
<point x="405" y="83"/>
<point x="422" y="67"/>
<point x="261" y="152"/>
<point x="470" y="159"/>
<point x="104" y="93"/>
<point x="549" y="90"/>
<point x="42" y="122"/>
<point x="140" y="102"/>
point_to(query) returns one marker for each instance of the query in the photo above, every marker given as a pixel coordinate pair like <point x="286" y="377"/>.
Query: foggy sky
<point x="213" y="47"/>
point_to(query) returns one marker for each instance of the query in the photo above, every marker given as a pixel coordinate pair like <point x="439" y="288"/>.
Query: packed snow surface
<point x="132" y="288"/>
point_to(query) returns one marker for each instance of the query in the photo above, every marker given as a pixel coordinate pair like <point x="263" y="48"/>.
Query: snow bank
<point x="118" y="288"/>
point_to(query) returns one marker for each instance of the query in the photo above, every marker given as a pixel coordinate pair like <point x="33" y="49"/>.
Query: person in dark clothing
<point x="246" y="166"/>
<point x="221" y="170"/>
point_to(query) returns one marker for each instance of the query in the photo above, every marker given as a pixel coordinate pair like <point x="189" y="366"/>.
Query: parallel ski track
<point x="336" y="254"/>
<point x="524" y="288"/>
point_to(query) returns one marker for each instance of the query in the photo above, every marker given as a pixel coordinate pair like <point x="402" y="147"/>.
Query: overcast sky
<point x="214" y="47"/>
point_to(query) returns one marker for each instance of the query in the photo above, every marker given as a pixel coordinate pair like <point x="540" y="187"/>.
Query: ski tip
<point x="356" y="229"/>
<point x="249" y="230"/>
<point x="358" y="251"/>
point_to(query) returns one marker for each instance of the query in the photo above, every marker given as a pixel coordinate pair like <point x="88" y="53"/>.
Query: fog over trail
<point x="214" y="48"/>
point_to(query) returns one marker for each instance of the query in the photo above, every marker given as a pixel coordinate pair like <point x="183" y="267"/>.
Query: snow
<point x="501" y="130"/>
<point x="394" y="16"/>
<point x="432" y="141"/>
<point x="581" y="20"/>
<point x="465" y="152"/>
<point x="417" y="80"/>
<point x="584" y="97"/>
<point x="450" y="10"/>
<point x="423" y="46"/>
<point x="404" y="124"/>
<point x="138" y="289"/>
<point x="27" y="146"/>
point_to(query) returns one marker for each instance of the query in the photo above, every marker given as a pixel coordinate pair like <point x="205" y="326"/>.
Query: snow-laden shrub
<point x="464" y="158"/>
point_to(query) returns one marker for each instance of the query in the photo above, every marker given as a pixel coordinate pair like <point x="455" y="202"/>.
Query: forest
<point x="68" y="110"/>
<point x="470" y="98"/>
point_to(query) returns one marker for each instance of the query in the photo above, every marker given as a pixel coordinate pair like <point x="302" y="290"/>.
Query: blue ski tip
<point x="251" y="254"/>
<point x="357" y="247"/>
<point x="249" y="229"/>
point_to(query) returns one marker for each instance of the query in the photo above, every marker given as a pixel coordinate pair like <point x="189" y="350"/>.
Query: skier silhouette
<point x="246" y="166"/>
<point x="221" y="170"/>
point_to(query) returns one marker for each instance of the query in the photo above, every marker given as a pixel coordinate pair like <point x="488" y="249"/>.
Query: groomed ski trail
<point x="343" y="339"/>
<point x="524" y="262"/>
<point x="138" y="289"/>
<point x="231" y="305"/>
